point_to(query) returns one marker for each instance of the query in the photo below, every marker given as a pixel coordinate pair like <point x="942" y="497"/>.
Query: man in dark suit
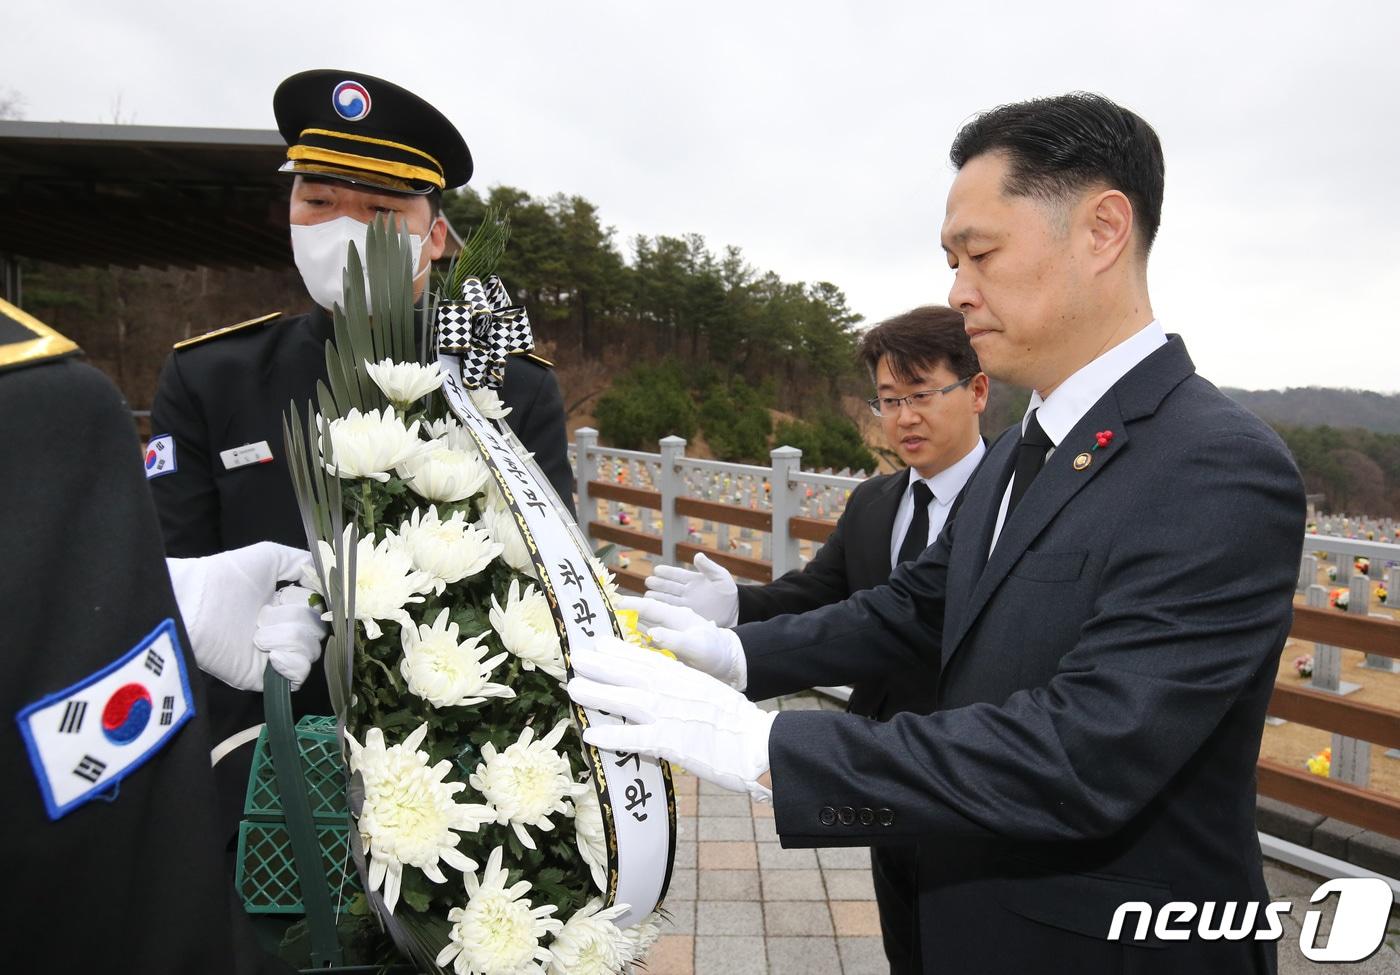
<point x="1105" y="661"/>
<point x="929" y="394"/>
<point x="358" y="147"/>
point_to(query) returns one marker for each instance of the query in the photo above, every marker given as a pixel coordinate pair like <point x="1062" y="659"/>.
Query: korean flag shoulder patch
<point x="85" y="739"/>
<point x="160" y="456"/>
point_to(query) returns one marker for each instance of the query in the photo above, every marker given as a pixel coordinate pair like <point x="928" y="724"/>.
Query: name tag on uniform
<point x="249" y="453"/>
<point x="84" y="740"/>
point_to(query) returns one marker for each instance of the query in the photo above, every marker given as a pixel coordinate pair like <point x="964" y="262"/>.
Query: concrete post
<point x="787" y="503"/>
<point x="1361" y="603"/>
<point x="1307" y="573"/>
<point x="1327" y="660"/>
<point x="670" y="486"/>
<point x="586" y="471"/>
<point x="1351" y="760"/>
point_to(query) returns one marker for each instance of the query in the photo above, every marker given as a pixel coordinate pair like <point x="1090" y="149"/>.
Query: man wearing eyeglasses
<point x="930" y="393"/>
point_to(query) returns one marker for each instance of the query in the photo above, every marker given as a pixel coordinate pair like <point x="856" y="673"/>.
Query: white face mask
<point x="322" y="250"/>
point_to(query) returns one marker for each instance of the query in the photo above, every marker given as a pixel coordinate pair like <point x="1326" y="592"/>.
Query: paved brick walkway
<point x="742" y="905"/>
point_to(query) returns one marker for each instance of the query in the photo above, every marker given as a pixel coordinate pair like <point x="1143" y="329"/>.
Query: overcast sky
<point x="814" y="135"/>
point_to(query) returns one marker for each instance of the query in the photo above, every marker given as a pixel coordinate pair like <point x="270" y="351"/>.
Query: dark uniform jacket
<point x="1105" y="675"/>
<point x="232" y="390"/>
<point x="226" y="391"/>
<point x="133" y="880"/>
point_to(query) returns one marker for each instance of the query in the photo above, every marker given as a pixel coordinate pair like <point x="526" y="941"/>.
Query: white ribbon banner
<point x="639" y="812"/>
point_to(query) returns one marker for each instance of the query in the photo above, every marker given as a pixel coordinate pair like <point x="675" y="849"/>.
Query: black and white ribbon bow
<point x="483" y="327"/>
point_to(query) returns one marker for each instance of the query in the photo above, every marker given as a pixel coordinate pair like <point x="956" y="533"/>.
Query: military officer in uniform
<point x="358" y="147"/>
<point x="113" y="862"/>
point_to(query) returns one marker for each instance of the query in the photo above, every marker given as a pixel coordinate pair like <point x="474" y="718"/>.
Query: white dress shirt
<point x="1066" y="406"/>
<point x="945" y="485"/>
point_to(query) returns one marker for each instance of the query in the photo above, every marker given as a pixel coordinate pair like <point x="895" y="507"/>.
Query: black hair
<point x="1066" y="144"/>
<point x="924" y="338"/>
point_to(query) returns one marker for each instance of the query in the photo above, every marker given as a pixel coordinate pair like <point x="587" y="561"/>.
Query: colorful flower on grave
<point x="1362" y="565"/>
<point x="1339" y="599"/>
<point x="1312" y="528"/>
<point x="1304" y="665"/>
<point x="1321" y="763"/>
<point x="1331" y="573"/>
<point x="1381" y="594"/>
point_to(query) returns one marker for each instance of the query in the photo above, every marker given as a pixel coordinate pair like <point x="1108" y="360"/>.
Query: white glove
<point x="291" y="632"/>
<point x="708" y="589"/>
<point x="220" y="597"/>
<point x="693" y="639"/>
<point x="679" y="714"/>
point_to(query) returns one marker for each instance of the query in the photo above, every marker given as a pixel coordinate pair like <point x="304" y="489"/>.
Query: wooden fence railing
<point x="1355" y="725"/>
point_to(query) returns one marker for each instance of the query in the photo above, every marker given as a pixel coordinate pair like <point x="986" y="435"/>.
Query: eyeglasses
<point x="919" y="402"/>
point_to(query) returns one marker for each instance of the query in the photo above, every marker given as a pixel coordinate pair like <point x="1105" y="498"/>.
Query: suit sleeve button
<point x="886" y="816"/>
<point x="847" y="815"/>
<point x="827" y="816"/>
<point x="867" y="816"/>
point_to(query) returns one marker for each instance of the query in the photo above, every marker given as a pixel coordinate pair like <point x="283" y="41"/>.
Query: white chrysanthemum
<point x="446" y="474"/>
<point x="447" y="673"/>
<point x="372" y="444"/>
<point x="528" y="782"/>
<point x="498" y="932"/>
<point x="489" y="403"/>
<point x="642" y="935"/>
<point x="450" y="550"/>
<point x="386" y="581"/>
<point x="409" y="814"/>
<point x="526" y="628"/>
<point x="452" y="434"/>
<point x="606" y="581"/>
<point x="500" y="521"/>
<point x="404" y="382"/>
<point x="590" y="837"/>
<point x="590" y="943"/>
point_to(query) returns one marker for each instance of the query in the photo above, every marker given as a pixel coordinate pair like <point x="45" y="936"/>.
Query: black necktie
<point x="916" y="538"/>
<point x="1030" y="458"/>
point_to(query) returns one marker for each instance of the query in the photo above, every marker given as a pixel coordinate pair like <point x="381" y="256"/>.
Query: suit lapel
<point x="1135" y="396"/>
<point x="972" y="532"/>
<point x="881" y="524"/>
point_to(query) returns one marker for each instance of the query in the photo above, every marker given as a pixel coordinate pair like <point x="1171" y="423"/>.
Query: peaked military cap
<point x="364" y="130"/>
<point x="24" y="339"/>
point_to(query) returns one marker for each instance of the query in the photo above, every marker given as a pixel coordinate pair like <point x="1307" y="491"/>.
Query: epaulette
<point x="25" y="340"/>
<point x="226" y="330"/>
<point x="536" y="358"/>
